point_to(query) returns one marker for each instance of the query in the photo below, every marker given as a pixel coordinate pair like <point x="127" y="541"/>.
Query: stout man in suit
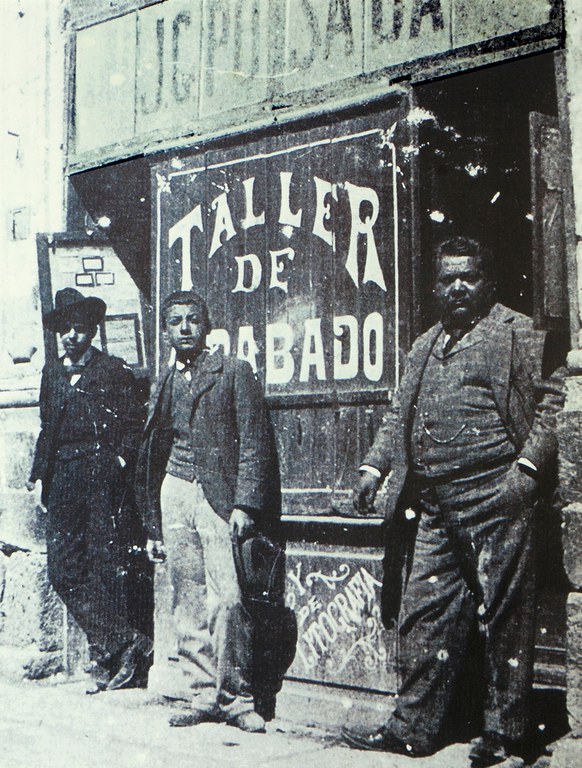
<point x="467" y="451"/>
<point x="91" y="421"/>
<point x="207" y="478"/>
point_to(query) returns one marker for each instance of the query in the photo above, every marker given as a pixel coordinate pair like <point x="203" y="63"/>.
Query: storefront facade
<point x="296" y="163"/>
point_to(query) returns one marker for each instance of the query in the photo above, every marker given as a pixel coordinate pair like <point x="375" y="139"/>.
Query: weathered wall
<point x="196" y="68"/>
<point x="31" y="200"/>
<point x="570" y="421"/>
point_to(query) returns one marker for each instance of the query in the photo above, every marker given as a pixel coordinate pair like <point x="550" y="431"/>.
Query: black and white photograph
<point x="291" y="383"/>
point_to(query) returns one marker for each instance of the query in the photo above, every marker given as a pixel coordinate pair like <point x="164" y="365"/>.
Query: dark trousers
<point x="86" y="561"/>
<point x="472" y="565"/>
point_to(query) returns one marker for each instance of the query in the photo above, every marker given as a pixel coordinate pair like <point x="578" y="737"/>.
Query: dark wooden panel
<point x="294" y="240"/>
<point x="549" y="234"/>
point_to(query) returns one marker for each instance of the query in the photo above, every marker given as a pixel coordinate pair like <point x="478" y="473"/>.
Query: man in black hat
<point x="207" y="478"/>
<point x="91" y="422"/>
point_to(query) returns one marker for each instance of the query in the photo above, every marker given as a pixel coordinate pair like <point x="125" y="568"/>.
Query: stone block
<point x="43" y="664"/>
<point x="22" y="519"/>
<point x="569" y="432"/>
<point x="573" y="388"/>
<point x="572" y="544"/>
<point x="567" y="753"/>
<point x="16" y="450"/>
<point x="28" y="663"/>
<point x="33" y="613"/>
<point x="574" y="663"/>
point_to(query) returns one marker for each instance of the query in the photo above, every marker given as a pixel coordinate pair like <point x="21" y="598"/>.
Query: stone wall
<point x="570" y="443"/>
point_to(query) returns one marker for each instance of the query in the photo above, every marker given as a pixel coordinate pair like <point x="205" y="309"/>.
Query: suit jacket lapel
<point x="415" y="370"/>
<point x="160" y="397"/>
<point x="206" y="373"/>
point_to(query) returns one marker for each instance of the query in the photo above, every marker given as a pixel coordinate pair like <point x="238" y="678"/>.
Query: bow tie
<point x="74" y="368"/>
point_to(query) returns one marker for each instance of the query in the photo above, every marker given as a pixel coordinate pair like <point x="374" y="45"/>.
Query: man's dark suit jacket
<point x="113" y="407"/>
<point x="527" y="405"/>
<point x="235" y="458"/>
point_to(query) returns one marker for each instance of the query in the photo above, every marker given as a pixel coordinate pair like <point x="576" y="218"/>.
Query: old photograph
<point x="290" y="401"/>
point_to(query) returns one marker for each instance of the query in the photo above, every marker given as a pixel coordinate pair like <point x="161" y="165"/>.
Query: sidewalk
<point x="56" y="725"/>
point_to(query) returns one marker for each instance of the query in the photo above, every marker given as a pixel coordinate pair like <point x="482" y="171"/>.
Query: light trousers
<point x="213" y="630"/>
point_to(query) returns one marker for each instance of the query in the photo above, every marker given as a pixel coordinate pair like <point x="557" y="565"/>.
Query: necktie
<point x="450" y="341"/>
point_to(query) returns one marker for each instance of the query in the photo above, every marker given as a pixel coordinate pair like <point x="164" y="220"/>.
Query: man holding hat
<point x="90" y="425"/>
<point x="207" y="478"/>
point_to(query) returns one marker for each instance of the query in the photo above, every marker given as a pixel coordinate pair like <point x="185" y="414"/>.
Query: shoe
<point x="251" y="722"/>
<point x="187" y="719"/>
<point x="100" y="677"/>
<point x="265" y="707"/>
<point x="379" y="741"/>
<point x="130" y="659"/>
<point x="492" y="749"/>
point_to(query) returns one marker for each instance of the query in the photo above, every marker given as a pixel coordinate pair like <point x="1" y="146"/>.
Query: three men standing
<point x="91" y="422"/>
<point x="207" y="477"/>
<point x="467" y="451"/>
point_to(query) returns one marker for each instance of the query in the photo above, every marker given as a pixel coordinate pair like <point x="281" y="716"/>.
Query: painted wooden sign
<point x="335" y="593"/>
<point x="174" y="67"/>
<point x="294" y="242"/>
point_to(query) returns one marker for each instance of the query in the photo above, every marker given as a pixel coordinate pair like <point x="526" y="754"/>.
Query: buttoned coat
<point x="112" y="405"/>
<point x="527" y="404"/>
<point x="232" y="440"/>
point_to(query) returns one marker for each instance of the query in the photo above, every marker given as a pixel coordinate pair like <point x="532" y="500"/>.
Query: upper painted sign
<point x="189" y="66"/>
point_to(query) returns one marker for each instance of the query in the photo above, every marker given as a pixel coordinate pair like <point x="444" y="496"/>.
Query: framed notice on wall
<point x="92" y="267"/>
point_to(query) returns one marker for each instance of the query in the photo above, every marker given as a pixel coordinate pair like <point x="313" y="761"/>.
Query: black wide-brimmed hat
<point x="72" y="307"/>
<point x="260" y="567"/>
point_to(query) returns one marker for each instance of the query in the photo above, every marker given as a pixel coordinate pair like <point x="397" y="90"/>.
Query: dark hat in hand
<point x="72" y="307"/>
<point x="260" y="567"/>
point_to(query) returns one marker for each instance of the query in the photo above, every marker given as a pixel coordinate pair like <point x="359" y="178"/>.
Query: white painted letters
<point x="277" y="267"/>
<point x="286" y="217"/>
<point x="312" y="350"/>
<point x="222" y="222"/>
<point x="182" y="230"/>
<point x="322" y="209"/>
<point x="251" y="219"/>
<point x="364" y="228"/>
<point x="280" y="366"/>
<point x="373" y="350"/>
<point x="256" y="272"/>
<point x="345" y="329"/>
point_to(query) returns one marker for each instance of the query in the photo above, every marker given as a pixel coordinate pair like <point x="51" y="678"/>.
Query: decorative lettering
<point x="312" y="356"/>
<point x="251" y="219"/>
<point x="222" y="223"/>
<point x="277" y="267"/>
<point x="280" y="366"/>
<point x="359" y="197"/>
<point x="254" y="268"/>
<point x="182" y="230"/>
<point x="322" y="209"/>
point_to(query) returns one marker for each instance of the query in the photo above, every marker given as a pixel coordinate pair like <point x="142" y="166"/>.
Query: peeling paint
<point x="418" y="115"/>
<point x="475" y="169"/>
<point x="437" y="216"/>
